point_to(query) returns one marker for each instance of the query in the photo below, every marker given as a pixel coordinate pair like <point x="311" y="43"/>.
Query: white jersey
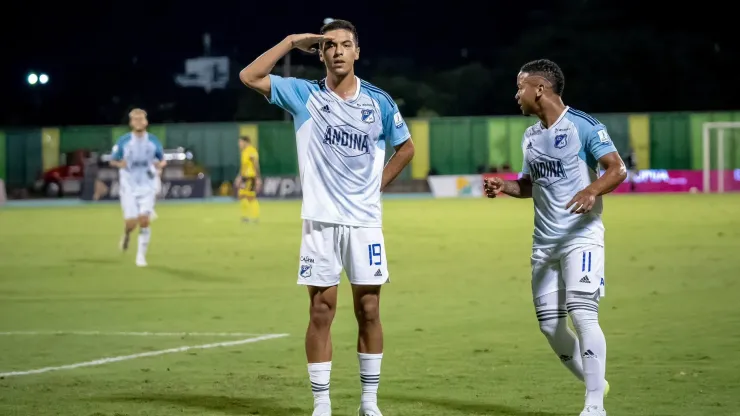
<point x="563" y="160"/>
<point x="341" y="147"/>
<point x="139" y="177"/>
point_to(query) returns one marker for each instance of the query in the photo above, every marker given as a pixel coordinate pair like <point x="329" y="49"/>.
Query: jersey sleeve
<point x="598" y="142"/>
<point x="117" y="152"/>
<point x="290" y="94"/>
<point x="158" y="150"/>
<point x="395" y="129"/>
<point x="525" y="166"/>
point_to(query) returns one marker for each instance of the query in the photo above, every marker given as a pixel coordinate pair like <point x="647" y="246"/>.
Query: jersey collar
<point x="354" y="97"/>
<point x="556" y="121"/>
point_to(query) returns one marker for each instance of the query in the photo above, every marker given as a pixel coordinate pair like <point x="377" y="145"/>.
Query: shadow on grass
<point x="228" y="405"/>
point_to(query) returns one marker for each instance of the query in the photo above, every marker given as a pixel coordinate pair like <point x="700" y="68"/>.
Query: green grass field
<point x="461" y="336"/>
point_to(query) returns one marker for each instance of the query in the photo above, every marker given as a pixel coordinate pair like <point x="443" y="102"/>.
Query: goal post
<point x="718" y="131"/>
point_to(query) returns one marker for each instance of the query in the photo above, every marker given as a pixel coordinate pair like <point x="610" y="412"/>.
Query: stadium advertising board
<point x="107" y="189"/>
<point x="282" y="187"/>
<point x="456" y="186"/>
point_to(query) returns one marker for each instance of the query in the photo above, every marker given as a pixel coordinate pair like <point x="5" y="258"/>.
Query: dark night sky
<point x="89" y="49"/>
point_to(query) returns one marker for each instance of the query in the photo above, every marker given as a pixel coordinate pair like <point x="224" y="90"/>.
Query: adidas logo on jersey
<point x="585" y="279"/>
<point x="378" y="273"/>
<point x="326" y="109"/>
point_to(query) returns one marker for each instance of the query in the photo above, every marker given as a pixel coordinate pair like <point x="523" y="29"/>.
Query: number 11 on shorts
<point x="373" y="254"/>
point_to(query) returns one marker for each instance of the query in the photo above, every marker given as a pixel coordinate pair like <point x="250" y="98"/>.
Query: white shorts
<point x="577" y="268"/>
<point x="327" y="249"/>
<point x="135" y="206"/>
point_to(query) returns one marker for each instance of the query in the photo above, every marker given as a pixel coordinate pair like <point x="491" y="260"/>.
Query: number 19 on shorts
<point x="374" y="254"/>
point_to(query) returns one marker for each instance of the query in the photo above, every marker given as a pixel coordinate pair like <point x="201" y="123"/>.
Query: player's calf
<point x="318" y="344"/>
<point x="369" y="344"/>
<point x="129" y="226"/>
<point x="553" y="320"/>
<point x="583" y="308"/>
<point x="144" y="237"/>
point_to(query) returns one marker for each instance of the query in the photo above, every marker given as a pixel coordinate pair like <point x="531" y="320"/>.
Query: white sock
<point x="320" y="374"/>
<point x="144" y="236"/>
<point x="584" y="313"/>
<point x="553" y="321"/>
<point x="370" y="376"/>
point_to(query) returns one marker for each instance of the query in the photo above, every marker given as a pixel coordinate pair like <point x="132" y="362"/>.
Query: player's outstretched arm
<point x="520" y="188"/>
<point x="257" y="74"/>
<point x="401" y="157"/>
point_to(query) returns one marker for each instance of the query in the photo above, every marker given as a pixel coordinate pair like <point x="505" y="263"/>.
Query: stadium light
<point x="328" y="20"/>
<point x="32" y="79"/>
<point x="43" y="78"/>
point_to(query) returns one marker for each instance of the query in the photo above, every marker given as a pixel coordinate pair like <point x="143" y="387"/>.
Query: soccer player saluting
<point x="248" y="180"/>
<point x="562" y="154"/>
<point x="342" y="125"/>
<point x="137" y="155"/>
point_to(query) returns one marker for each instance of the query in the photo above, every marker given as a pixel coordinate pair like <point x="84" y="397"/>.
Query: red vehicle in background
<point x="66" y="179"/>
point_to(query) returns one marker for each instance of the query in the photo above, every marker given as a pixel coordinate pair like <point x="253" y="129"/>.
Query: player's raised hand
<point x="308" y="42"/>
<point x="582" y="203"/>
<point x="493" y="186"/>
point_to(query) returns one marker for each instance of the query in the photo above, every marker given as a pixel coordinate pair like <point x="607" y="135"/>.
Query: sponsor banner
<point x="107" y="189"/>
<point x="663" y="181"/>
<point x="281" y="187"/>
<point x="456" y="186"/>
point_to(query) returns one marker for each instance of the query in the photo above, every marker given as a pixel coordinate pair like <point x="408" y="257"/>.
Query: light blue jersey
<point x="563" y="160"/>
<point x="139" y="177"/>
<point x="341" y="147"/>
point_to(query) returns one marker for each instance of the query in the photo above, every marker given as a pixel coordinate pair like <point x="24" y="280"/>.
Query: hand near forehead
<point x="308" y="42"/>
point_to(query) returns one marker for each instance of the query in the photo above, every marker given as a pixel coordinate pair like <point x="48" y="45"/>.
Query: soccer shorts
<point x="247" y="188"/>
<point x="135" y="206"/>
<point x="577" y="268"/>
<point x="327" y="249"/>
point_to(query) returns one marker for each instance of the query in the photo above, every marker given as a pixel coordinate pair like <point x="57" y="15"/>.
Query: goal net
<point x="721" y="157"/>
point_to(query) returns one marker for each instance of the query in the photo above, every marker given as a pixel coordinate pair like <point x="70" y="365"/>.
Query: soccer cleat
<point x="593" y="411"/>
<point x="369" y="409"/>
<point x="124" y="242"/>
<point x="322" y="410"/>
<point x="606" y="390"/>
<point x="141" y="261"/>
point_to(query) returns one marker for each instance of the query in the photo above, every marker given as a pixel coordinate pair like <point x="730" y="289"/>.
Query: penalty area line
<point x="109" y="360"/>
<point x="132" y="334"/>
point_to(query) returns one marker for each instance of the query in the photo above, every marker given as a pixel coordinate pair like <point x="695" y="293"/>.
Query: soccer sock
<point x="244" y="204"/>
<point x="144" y="236"/>
<point x="255" y="205"/>
<point x="319" y="374"/>
<point x="370" y="376"/>
<point x="585" y="315"/>
<point x="554" y="325"/>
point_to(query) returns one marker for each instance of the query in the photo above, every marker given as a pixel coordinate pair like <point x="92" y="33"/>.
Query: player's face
<point x="242" y="144"/>
<point x="526" y="94"/>
<point x="340" y="55"/>
<point x="138" y="122"/>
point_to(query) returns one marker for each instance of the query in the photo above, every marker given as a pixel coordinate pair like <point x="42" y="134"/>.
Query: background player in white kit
<point x="562" y="154"/>
<point x="138" y="155"/>
<point x="342" y="124"/>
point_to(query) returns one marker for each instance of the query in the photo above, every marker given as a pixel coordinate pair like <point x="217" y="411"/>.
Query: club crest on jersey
<point x="305" y="270"/>
<point x="546" y="170"/>
<point x="561" y="140"/>
<point x="347" y="141"/>
<point x="368" y="116"/>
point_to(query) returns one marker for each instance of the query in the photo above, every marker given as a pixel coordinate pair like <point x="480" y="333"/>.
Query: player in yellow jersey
<point x="248" y="181"/>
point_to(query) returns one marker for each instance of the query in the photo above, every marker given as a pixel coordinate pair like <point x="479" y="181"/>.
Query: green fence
<point x="445" y="145"/>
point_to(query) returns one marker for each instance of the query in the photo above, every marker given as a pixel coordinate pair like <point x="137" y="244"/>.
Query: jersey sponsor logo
<point x="561" y="140"/>
<point x="347" y="141"/>
<point x="368" y="116"/>
<point x="398" y="120"/>
<point x="532" y="132"/>
<point x="546" y="170"/>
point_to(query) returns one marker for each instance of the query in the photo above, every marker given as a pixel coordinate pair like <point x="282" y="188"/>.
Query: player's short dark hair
<point x="245" y="139"/>
<point x="548" y="70"/>
<point x="341" y="24"/>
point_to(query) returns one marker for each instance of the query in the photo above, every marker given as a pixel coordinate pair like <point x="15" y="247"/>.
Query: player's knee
<point x="144" y="222"/>
<point x="583" y="309"/>
<point x="131" y="224"/>
<point x="367" y="309"/>
<point x="550" y="326"/>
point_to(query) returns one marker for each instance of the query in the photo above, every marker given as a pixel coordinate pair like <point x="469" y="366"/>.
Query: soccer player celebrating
<point x="562" y="154"/>
<point x="248" y="180"/>
<point x="342" y="124"/>
<point x="138" y="155"/>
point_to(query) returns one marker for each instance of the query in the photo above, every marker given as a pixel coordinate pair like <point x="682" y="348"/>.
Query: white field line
<point x="133" y="334"/>
<point x="109" y="360"/>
